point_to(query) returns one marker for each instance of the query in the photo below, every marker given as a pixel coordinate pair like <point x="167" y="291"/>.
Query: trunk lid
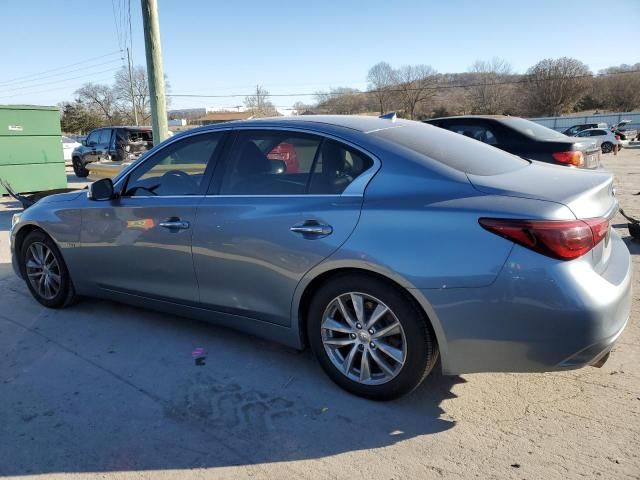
<point x="588" y="194"/>
<point x="590" y="152"/>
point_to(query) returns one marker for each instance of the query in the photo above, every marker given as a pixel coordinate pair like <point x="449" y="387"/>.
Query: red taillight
<point x="570" y="158"/>
<point x="562" y="239"/>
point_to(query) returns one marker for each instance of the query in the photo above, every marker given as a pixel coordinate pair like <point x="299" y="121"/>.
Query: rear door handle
<point x="175" y="224"/>
<point x="312" y="228"/>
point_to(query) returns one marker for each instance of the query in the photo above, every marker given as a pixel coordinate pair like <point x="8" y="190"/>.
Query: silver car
<point x="382" y="244"/>
<point x="604" y="138"/>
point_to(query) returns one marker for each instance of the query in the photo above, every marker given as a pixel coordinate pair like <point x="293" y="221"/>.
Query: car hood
<point x="60" y="197"/>
<point x="588" y="193"/>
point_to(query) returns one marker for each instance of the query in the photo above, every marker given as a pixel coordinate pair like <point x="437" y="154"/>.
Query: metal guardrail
<point x="562" y="123"/>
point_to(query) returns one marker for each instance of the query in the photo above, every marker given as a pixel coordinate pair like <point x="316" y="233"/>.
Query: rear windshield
<point x="533" y="129"/>
<point x="456" y="151"/>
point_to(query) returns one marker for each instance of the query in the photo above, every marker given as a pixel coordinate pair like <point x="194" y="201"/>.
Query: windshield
<point x="533" y="130"/>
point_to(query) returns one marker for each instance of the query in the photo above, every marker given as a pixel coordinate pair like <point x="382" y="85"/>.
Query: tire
<point x="607" y="147"/>
<point x="79" y="169"/>
<point x="64" y="294"/>
<point x="414" y="337"/>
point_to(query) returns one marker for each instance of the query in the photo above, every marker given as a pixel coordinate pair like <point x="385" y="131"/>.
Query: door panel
<point x="141" y="242"/>
<point x="127" y="249"/>
<point x="248" y="261"/>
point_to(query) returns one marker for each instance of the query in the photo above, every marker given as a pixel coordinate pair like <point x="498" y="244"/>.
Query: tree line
<point x="98" y="105"/>
<point x="549" y="88"/>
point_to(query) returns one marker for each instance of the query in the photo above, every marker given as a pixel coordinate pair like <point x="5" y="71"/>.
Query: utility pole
<point x="133" y="97"/>
<point x="154" y="70"/>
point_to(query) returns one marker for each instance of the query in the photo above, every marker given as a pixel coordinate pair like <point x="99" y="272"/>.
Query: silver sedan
<point x="382" y="244"/>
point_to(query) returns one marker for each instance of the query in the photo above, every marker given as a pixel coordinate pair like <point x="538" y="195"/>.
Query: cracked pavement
<point x="104" y="390"/>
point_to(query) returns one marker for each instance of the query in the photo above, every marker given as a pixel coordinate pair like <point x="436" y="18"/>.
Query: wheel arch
<point x="309" y="284"/>
<point x="21" y="235"/>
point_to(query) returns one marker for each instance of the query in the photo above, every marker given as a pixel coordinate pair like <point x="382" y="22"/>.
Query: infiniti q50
<point x="382" y="244"/>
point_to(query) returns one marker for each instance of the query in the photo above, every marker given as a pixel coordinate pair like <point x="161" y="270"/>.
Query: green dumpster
<point x="31" y="158"/>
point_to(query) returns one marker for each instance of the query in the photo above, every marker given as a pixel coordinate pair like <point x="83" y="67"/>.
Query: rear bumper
<point x="539" y="315"/>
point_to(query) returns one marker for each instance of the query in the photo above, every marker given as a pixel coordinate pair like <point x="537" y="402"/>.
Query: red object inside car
<point x="287" y="153"/>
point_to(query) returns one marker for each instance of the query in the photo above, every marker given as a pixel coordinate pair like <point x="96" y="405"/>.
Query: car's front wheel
<point x="369" y="337"/>
<point x="607" y="147"/>
<point x="78" y="168"/>
<point x="45" y="272"/>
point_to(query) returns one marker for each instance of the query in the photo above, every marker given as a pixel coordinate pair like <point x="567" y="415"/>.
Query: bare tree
<point x="489" y="96"/>
<point x="122" y="92"/>
<point x="301" y="107"/>
<point x="100" y="98"/>
<point x="555" y="86"/>
<point x="342" y="101"/>
<point x="414" y="84"/>
<point x="258" y="104"/>
<point x="618" y="88"/>
<point x="380" y="80"/>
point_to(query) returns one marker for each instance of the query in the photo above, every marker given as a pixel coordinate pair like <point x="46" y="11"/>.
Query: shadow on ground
<point x="105" y="387"/>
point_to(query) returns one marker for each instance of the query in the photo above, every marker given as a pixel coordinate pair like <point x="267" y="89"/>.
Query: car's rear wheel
<point x="607" y="147"/>
<point x="78" y="168"/>
<point x="45" y="272"/>
<point x="369" y="337"/>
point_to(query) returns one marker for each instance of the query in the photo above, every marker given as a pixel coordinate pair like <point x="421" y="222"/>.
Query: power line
<point x="60" y="81"/>
<point x="397" y="90"/>
<point x="45" y="91"/>
<point x="13" y="80"/>
<point x="84" y="67"/>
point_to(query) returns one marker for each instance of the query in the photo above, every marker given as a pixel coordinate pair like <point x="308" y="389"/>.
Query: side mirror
<point x="101" y="190"/>
<point x="92" y="144"/>
<point x="83" y="142"/>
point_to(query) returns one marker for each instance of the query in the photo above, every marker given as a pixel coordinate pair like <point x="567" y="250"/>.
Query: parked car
<point x="111" y="143"/>
<point x="605" y="138"/>
<point x="393" y="243"/>
<point x="623" y="132"/>
<point x="68" y="146"/>
<point x="524" y="138"/>
<point x="573" y="130"/>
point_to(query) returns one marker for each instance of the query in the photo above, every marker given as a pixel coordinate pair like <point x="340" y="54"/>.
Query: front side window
<point x="177" y="169"/>
<point x="93" y="137"/>
<point x="282" y="163"/>
<point x="105" y="137"/>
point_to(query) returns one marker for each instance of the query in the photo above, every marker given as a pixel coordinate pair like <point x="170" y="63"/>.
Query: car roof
<point x="360" y="123"/>
<point x="475" y="117"/>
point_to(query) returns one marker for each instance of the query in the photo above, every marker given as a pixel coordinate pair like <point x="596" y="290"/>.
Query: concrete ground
<point x="103" y="390"/>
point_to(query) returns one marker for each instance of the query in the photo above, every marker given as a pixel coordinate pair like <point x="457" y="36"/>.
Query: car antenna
<point x="389" y="116"/>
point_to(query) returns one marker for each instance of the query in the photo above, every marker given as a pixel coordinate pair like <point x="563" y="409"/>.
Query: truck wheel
<point x="79" y="169"/>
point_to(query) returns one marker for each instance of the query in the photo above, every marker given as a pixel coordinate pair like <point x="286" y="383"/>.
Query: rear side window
<point x="285" y="163"/>
<point x="456" y="151"/>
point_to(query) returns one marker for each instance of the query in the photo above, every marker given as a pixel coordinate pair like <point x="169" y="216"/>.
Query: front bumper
<point x="539" y="315"/>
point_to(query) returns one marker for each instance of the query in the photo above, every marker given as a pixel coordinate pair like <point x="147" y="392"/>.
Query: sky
<point x="49" y="48"/>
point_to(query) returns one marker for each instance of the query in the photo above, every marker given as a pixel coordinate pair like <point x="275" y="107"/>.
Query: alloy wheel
<point x="363" y="338"/>
<point x="43" y="270"/>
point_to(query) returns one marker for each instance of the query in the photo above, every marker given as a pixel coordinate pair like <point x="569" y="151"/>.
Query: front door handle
<point x="312" y="228"/>
<point x="175" y="224"/>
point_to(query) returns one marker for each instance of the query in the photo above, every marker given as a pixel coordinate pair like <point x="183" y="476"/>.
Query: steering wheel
<point x="184" y="178"/>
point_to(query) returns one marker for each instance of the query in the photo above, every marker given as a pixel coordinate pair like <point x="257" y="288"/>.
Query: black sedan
<point x="524" y="138"/>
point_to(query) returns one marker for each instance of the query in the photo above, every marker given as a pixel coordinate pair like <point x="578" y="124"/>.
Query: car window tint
<point x="177" y="169"/>
<point x="452" y="150"/>
<point x="481" y="133"/>
<point x="93" y="136"/>
<point x="337" y="166"/>
<point x="270" y="163"/>
<point x="105" y="137"/>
